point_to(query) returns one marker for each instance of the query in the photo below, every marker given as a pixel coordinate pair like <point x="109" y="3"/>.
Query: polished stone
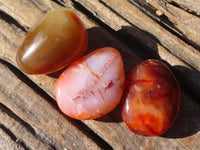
<point x="152" y="99"/>
<point x="92" y="86"/>
<point x="57" y="40"/>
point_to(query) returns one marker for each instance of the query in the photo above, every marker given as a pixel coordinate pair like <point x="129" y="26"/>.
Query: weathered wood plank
<point x="180" y="21"/>
<point x="39" y="113"/>
<point x="144" y="42"/>
<point x="183" y="135"/>
<point x="8" y="51"/>
<point x="190" y="6"/>
<point x="109" y="127"/>
<point x="6" y="141"/>
<point x="18" y="130"/>
<point x="191" y="76"/>
<point x="168" y="40"/>
<point x="17" y="11"/>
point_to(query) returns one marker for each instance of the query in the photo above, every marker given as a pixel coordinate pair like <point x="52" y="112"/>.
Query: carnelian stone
<point x="92" y="86"/>
<point x="152" y="98"/>
<point x="57" y="40"/>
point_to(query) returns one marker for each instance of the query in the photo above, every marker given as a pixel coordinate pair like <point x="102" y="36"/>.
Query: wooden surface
<point x="139" y="29"/>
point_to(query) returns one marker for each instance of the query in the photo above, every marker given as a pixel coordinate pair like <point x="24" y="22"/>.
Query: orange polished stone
<point x="152" y="99"/>
<point x="57" y="40"/>
<point x="92" y="86"/>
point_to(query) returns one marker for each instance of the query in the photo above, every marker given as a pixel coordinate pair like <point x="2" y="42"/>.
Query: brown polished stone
<point x="57" y="40"/>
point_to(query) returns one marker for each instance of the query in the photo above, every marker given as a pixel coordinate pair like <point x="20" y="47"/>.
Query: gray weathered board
<point x="168" y="30"/>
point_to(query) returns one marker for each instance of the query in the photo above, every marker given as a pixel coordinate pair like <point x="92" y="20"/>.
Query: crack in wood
<point x="59" y="2"/>
<point x="99" y="129"/>
<point x="165" y="21"/>
<point x="38" y="5"/>
<point x="188" y="10"/>
<point x="6" y="17"/>
<point x="17" y="118"/>
<point x="80" y="125"/>
<point x="98" y="139"/>
<point x="27" y="126"/>
<point x="14" y="138"/>
<point x="162" y="20"/>
<point x="126" y="37"/>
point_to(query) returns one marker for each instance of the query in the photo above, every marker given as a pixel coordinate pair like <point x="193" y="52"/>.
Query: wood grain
<point x="188" y="5"/>
<point x="168" y="40"/>
<point x="144" y="43"/>
<point x="39" y="114"/>
<point x="179" y="21"/>
<point x="30" y="118"/>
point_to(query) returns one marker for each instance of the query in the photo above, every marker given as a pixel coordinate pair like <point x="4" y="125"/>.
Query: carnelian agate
<point x="152" y="99"/>
<point x="92" y="86"/>
<point x="53" y="43"/>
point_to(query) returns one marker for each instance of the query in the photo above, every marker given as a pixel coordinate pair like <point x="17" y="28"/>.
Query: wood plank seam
<point x="13" y="137"/>
<point x="84" y="128"/>
<point x="11" y="20"/>
<point x="148" y="49"/>
<point x="185" y="8"/>
<point x="22" y="126"/>
<point x="165" y="21"/>
<point x="112" y="135"/>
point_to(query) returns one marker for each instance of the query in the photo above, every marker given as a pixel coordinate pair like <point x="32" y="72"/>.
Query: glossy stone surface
<point x="57" y="40"/>
<point x="152" y="99"/>
<point x="92" y="86"/>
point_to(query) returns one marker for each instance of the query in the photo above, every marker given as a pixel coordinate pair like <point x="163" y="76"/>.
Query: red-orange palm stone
<point x="152" y="99"/>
